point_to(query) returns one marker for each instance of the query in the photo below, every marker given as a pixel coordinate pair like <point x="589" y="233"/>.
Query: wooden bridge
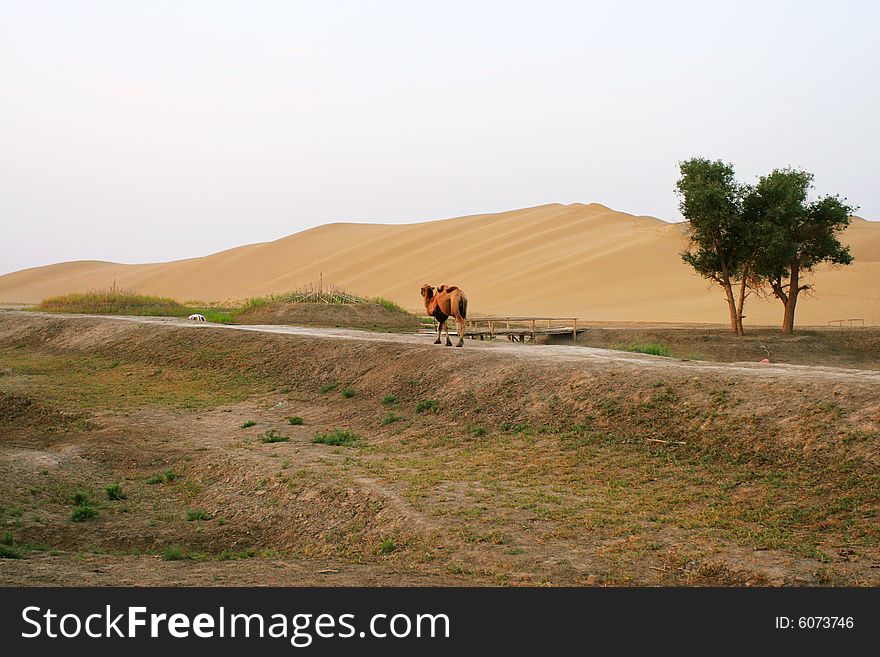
<point x="518" y="329"/>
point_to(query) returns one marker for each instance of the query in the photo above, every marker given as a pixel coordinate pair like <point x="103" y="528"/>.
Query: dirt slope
<point x="499" y="464"/>
<point x="584" y="260"/>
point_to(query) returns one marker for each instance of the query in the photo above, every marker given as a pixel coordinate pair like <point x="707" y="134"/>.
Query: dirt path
<point x="541" y="353"/>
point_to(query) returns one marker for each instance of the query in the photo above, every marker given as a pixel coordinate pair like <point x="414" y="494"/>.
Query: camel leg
<point x="459" y="325"/>
<point x="439" y="329"/>
<point x="448" y="341"/>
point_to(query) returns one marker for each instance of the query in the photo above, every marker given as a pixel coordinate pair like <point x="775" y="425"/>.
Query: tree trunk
<point x="739" y="311"/>
<point x="731" y="305"/>
<point x="791" y="301"/>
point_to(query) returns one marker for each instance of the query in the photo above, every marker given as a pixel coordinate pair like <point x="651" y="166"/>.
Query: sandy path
<point x="544" y="353"/>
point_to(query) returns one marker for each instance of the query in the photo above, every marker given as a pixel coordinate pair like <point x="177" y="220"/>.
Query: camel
<point x="441" y="304"/>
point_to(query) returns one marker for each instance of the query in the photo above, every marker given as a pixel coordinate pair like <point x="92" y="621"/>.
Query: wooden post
<point x="574" y="332"/>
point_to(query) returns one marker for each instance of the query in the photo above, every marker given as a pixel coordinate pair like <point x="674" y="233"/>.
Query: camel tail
<point x="462" y="306"/>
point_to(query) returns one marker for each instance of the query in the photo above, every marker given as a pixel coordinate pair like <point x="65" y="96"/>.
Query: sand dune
<point x="565" y="260"/>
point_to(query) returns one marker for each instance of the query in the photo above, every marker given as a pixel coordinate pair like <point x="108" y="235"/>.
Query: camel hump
<point x="448" y="288"/>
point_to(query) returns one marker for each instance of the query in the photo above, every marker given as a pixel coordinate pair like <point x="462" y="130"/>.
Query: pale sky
<point x="147" y="131"/>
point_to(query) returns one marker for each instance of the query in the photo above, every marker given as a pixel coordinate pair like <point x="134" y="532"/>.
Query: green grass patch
<point x="248" y="424"/>
<point x="115" y="492"/>
<point x="328" y="387"/>
<point x="82" y="513"/>
<point x="348" y="393"/>
<point x="387" y="546"/>
<point x="174" y="553"/>
<point x="428" y="406"/>
<point x="168" y="476"/>
<point x="390" y="418"/>
<point x="272" y="436"/>
<point x="389" y="400"/>
<point x="198" y="515"/>
<point x="9" y="552"/>
<point x="337" y="437"/>
<point x="295" y="420"/>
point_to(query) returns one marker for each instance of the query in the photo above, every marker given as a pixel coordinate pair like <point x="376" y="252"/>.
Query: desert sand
<point x="563" y="260"/>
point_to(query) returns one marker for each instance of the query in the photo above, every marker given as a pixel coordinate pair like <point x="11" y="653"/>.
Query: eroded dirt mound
<point x="488" y="464"/>
<point x="26" y="421"/>
<point x="365" y="316"/>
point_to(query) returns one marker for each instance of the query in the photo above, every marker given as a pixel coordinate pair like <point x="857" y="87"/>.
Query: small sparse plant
<point x="167" y="476"/>
<point x="348" y="393"/>
<point x="390" y="418"/>
<point x="197" y="514"/>
<point x="173" y="553"/>
<point x="115" y="492"/>
<point x="8" y="552"/>
<point x="7" y="539"/>
<point x="428" y="406"/>
<point x="79" y="498"/>
<point x="654" y="349"/>
<point x="82" y="513"/>
<point x="272" y="436"/>
<point x="337" y="437"/>
<point x="477" y="432"/>
<point x="296" y="420"/>
<point x="327" y="387"/>
<point x="389" y="400"/>
<point x="248" y="424"/>
<point x="387" y="546"/>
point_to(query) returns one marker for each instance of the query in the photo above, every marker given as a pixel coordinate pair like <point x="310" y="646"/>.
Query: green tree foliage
<point x="796" y="234"/>
<point x="723" y="243"/>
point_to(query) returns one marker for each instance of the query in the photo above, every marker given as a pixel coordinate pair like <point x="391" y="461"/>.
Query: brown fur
<point x="442" y="303"/>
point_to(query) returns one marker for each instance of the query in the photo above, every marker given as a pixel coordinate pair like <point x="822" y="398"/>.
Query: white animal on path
<point x="197" y="318"/>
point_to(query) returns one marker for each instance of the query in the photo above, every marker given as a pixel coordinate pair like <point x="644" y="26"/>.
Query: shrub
<point x="337" y="437"/>
<point x="295" y="420"/>
<point x="173" y="553"/>
<point x="114" y="492"/>
<point x="8" y="552"/>
<point x="248" y="424"/>
<point x="387" y="546"/>
<point x="7" y="539"/>
<point x="348" y="393"/>
<point x="272" y="436"/>
<point x="327" y="387"/>
<point x="389" y="400"/>
<point x="80" y="498"/>
<point x="391" y="418"/>
<point x="428" y="406"/>
<point x="169" y="476"/>
<point x="478" y="431"/>
<point x="198" y="514"/>
<point x="82" y="513"/>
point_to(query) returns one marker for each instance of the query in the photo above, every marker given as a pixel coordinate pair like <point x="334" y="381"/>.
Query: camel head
<point x="427" y="292"/>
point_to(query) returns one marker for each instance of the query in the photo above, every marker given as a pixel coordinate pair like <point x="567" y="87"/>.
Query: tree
<point x="723" y="243"/>
<point x="796" y="235"/>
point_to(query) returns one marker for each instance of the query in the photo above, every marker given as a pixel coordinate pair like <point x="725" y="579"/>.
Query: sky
<point x="152" y="131"/>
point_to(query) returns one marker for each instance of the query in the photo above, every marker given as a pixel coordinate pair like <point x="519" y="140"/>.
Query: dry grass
<point x="120" y="302"/>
